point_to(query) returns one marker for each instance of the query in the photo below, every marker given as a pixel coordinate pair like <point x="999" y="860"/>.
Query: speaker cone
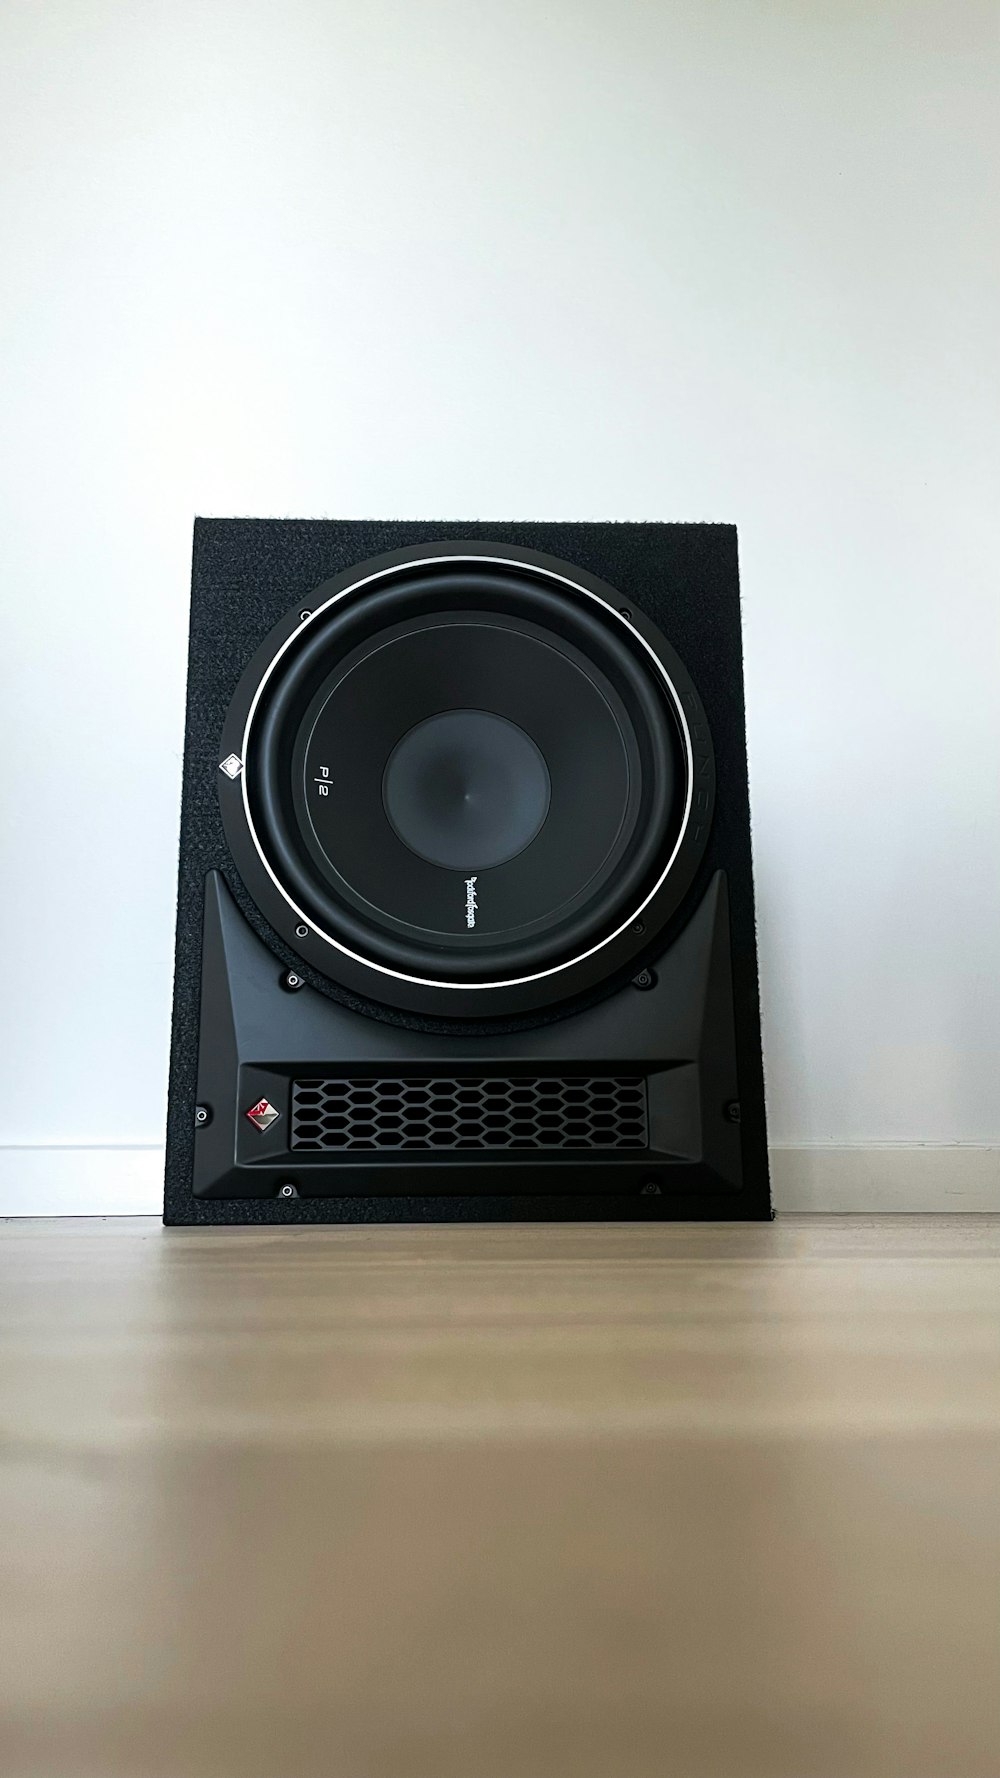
<point x="465" y="772"/>
<point x="466" y="790"/>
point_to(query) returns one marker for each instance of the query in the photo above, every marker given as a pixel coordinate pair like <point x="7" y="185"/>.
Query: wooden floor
<point x="587" y="1502"/>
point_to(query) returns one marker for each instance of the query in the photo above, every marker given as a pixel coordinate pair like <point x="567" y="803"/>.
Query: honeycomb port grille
<point x="469" y="1113"/>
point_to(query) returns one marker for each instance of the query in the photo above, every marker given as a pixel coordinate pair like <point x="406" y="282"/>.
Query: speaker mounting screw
<point x="644" y="979"/>
<point x="303" y="615"/>
<point x="202" y="1116"/>
<point x="651" y="1189"/>
<point x="288" y="1190"/>
<point x="638" y="927"/>
<point x="625" y="612"/>
<point x="734" y="1111"/>
<point x="291" y="981"/>
<point x="302" y="932"/>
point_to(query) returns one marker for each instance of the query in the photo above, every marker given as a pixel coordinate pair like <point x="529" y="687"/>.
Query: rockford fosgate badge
<point x="471" y="903"/>
<point x="263" y="1114"/>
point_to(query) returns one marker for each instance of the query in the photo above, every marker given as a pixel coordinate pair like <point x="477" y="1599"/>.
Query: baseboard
<point x="66" y="1180"/>
<point x="95" y="1181"/>
<point x="887" y="1176"/>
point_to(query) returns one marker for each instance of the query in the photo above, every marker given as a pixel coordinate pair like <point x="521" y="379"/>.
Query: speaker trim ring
<point x="684" y="702"/>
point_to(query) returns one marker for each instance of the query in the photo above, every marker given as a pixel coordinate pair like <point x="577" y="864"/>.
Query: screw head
<point x="302" y="932"/>
<point x="638" y="927"/>
<point x="288" y="1190"/>
<point x="644" y="979"/>
<point x="624" y="611"/>
<point x="303" y="615"/>
<point x="651" y="1189"/>
<point x="291" y="981"/>
<point x="202" y="1116"/>
<point x="734" y="1111"/>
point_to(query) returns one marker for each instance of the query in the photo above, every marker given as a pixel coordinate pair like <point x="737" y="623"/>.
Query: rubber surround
<point x="537" y="969"/>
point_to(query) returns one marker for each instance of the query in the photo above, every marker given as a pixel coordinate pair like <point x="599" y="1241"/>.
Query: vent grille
<point x="487" y="1113"/>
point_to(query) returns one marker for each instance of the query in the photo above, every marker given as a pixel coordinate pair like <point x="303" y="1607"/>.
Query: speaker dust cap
<point x="466" y="780"/>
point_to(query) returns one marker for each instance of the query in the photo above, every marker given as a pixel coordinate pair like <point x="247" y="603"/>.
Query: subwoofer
<point x="465" y="915"/>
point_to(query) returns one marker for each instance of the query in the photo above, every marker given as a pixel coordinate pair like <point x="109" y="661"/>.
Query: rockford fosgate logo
<point x="471" y="903"/>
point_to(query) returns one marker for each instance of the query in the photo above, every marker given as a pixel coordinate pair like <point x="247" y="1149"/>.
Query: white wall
<point x="712" y="259"/>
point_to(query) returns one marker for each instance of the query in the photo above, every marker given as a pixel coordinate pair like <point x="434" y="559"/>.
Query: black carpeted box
<point x="247" y="573"/>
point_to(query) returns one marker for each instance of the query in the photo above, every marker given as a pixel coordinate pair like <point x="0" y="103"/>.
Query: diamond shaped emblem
<point x="231" y="766"/>
<point x="263" y="1114"/>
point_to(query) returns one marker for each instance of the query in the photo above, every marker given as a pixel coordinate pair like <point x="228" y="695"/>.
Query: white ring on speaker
<point x="509" y="981"/>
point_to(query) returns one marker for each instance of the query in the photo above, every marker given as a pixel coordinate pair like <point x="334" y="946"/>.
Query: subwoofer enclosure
<point x="465" y="912"/>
